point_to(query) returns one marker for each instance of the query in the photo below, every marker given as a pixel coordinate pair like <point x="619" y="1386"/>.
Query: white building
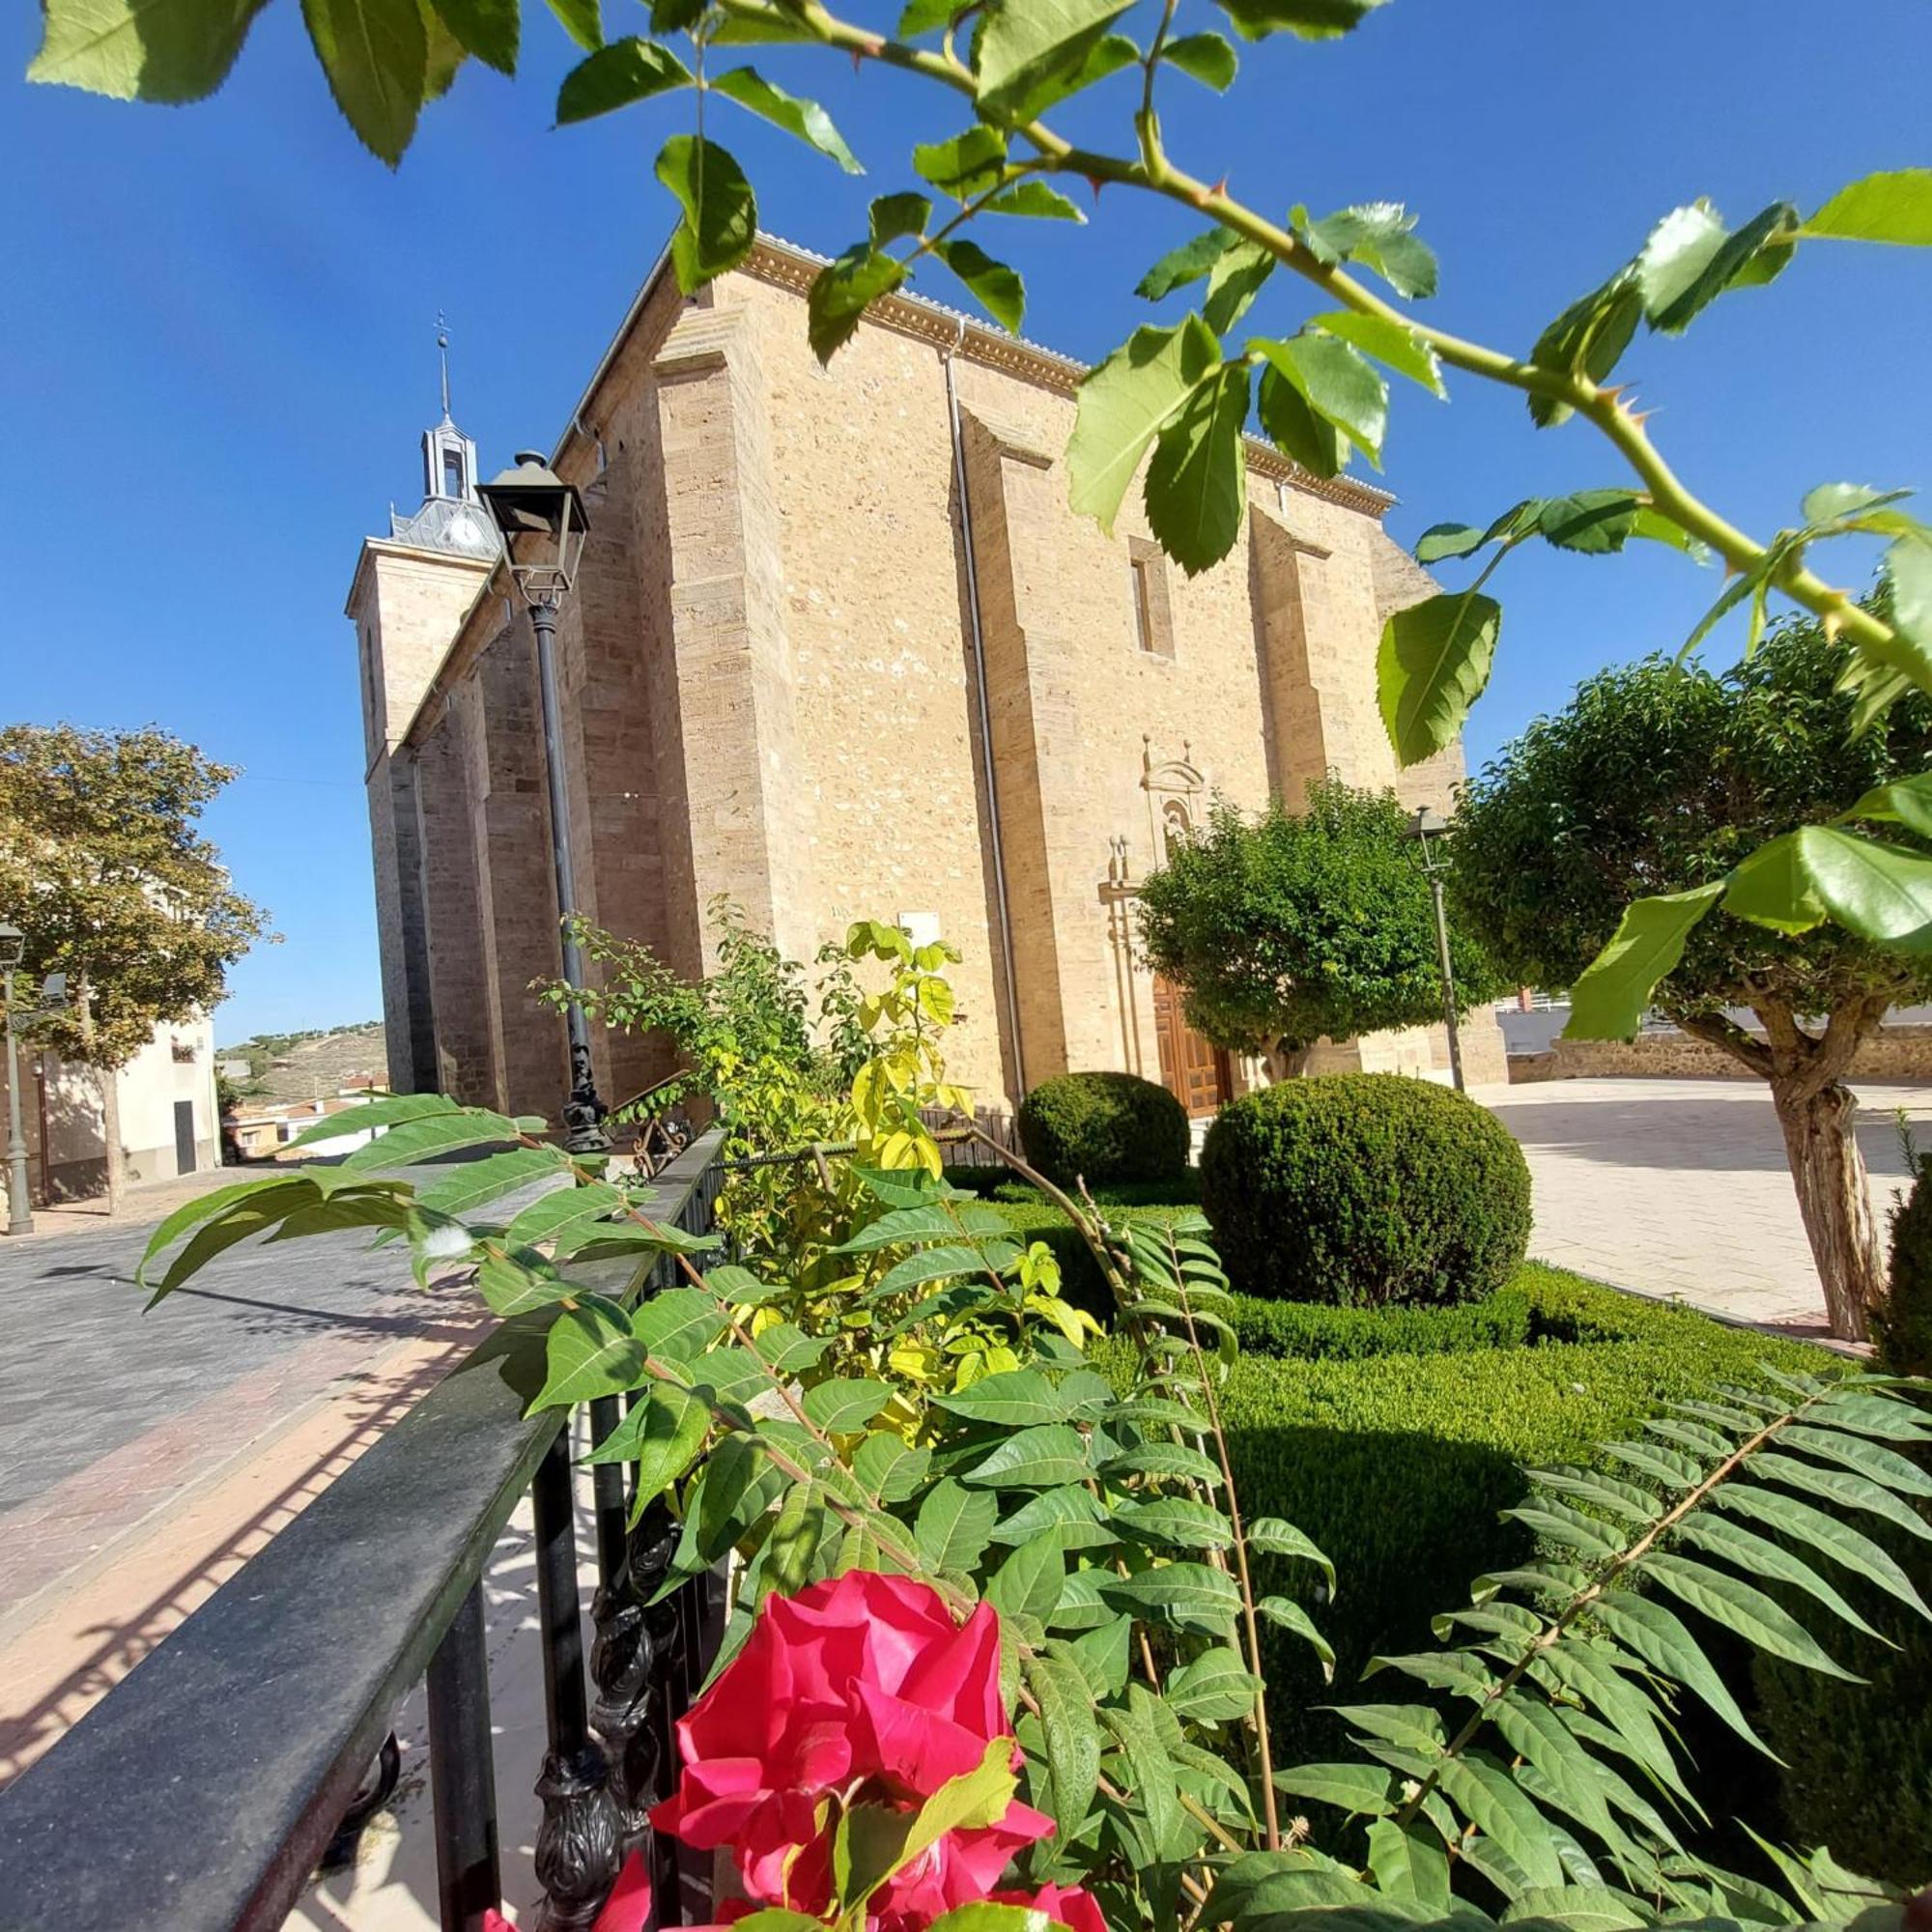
<point x="169" y="1121"/>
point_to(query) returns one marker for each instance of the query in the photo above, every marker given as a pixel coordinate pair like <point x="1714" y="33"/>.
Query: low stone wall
<point x="1893" y="1053"/>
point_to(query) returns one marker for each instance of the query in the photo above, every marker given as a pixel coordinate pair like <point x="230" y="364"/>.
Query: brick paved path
<point x="1679" y="1188"/>
<point x="143" y="1456"/>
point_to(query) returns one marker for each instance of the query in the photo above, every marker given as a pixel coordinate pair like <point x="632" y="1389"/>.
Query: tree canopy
<point x="1658" y="778"/>
<point x="103" y="867"/>
<point x="1300" y="925"/>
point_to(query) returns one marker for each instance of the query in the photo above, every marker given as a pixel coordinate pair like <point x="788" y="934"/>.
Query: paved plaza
<point x="1679" y="1188"/>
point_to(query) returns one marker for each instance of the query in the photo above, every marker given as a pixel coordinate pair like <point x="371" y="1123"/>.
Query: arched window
<point x="1176" y="827"/>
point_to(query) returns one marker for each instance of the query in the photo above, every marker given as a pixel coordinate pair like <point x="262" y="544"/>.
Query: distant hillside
<point x="301" y="1066"/>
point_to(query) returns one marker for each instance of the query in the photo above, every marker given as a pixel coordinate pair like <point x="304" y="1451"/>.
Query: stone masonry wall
<point x="1893" y="1053"/>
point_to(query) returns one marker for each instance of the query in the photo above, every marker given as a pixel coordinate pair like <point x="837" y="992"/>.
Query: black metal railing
<point x="201" y="1792"/>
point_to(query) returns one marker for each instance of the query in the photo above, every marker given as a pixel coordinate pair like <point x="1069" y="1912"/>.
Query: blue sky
<point x="216" y="343"/>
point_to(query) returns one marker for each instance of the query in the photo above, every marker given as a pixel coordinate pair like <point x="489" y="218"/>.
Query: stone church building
<point x="840" y="649"/>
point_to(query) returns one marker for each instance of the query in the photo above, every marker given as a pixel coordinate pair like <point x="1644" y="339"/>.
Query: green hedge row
<point x="1312" y="1332"/>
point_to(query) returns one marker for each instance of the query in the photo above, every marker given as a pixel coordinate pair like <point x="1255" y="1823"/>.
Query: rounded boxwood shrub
<point x="1902" y="1322"/>
<point x="1103" y="1128"/>
<point x="1365" y="1189"/>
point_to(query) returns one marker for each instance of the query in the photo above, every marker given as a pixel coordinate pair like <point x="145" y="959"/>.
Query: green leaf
<point x="1690" y="260"/>
<point x="1558" y="1523"/>
<point x="1409" y="1866"/>
<point x="937" y="1263"/>
<point x="1357" y="1789"/>
<point x="247" y="1210"/>
<point x="584" y="21"/>
<point x="1124" y="403"/>
<point x="1415" y="1726"/>
<point x="1072" y="1740"/>
<point x="1380" y="235"/>
<point x="591" y="1352"/>
<point x="662" y="1435"/>
<point x="1894" y="206"/>
<point x="1186" y="264"/>
<point x="1741" y="1608"/>
<point x="477" y="1182"/>
<point x="997" y="288"/>
<point x="1161" y="1459"/>
<point x="843" y="288"/>
<point x="955" y="1525"/>
<point x="678" y="1323"/>
<point x="1906" y="802"/>
<point x="1204" y="57"/>
<point x="1761" y="1557"/>
<point x="168" y="50"/>
<point x="1389" y="342"/>
<point x="1770" y="887"/>
<point x="1175" y="1522"/>
<point x="1824" y="1532"/>
<point x="1188" y="1596"/>
<point x="376" y="56"/>
<point x="562" y="1207"/>
<point x="1150" y="1781"/>
<point x="804" y="119"/>
<point x="1659" y="1637"/>
<point x="967" y="165"/>
<point x="1337" y="382"/>
<point x="432" y="1135"/>
<point x="290" y="1189"/>
<point x="1080" y="67"/>
<point x="1032" y="198"/>
<point x="1608" y="1002"/>
<point x="514" y="1284"/>
<point x="971" y="1801"/>
<point x="1433" y="665"/>
<point x="1018" y="1398"/>
<point x="927" y="17"/>
<point x="888" y="1468"/>
<point x="1068" y="1513"/>
<point x="1028" y="1583"/>
<point x="1482" y="1790"/>
<point x="1026" y="41"/>
<point x="1232" y="283"/>
<point x="892" y="217"/>
<point x="1292" y="1616"/>
<point x="1272" y="1537"/>
<point x="1586" y="339"/>
<point x="489" y="29"/>
<point x="1882" y="893"/>
<point x="1868" y="1459"/>
<point x="1197" y="481"/>
<point x="1595" y="522"/>
<point x="841" y="1407"/>
<point x="721" y="216"/>
<point x="1034" y="1458"/>
<point x="1216" y="1687"/>
<point x="1306" y="19"/>
<point x="616" y="76"/>
<point x="389" y="1112"/>
<point x="1295" y="430"/>
<point x="1622" y="1499"/>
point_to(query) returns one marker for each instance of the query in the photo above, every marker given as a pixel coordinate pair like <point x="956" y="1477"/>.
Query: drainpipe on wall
<point x="1010" y="981"/>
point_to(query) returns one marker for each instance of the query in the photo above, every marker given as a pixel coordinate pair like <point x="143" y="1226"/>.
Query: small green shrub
<point x="1365" y="1189"/>
<point x="1308" y="1331"/>
<point x="1103" y="1128"/>
<point x="1902" y="1324"/>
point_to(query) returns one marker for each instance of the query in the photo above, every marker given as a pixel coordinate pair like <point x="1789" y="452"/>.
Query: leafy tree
<point x="1657" y="775"/>
<point x="1173" y="404"/>
<point x="1304" y="925"/>
<point x="103" y="868"/>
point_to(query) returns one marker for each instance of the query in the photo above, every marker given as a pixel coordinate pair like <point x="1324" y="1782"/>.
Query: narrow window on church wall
<point x="1154" y="623"/>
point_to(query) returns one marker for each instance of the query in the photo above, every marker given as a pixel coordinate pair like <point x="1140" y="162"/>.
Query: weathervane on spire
<point x="442" y="357"/>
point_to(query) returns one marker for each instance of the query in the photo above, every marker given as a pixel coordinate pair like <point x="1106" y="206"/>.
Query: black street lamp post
<point x="20" y="1202"/>
<point x="1427" y="824"/>
<point x="531" y="503"/>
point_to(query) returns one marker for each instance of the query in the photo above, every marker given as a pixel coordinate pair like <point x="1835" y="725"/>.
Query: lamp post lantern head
<point x="1426" y="823"/>
<point x="542" y="524"/>
<point x="13" y="947"/>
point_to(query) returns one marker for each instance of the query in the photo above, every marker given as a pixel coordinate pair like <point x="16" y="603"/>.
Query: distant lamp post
<point x="544" y="525"/>
<point x="1427" y="824"/>
<point x="19" y="1204"/>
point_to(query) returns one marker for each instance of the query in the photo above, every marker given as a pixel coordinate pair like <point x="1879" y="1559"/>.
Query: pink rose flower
<point x="862" y="1687"/>
<point x="1071" y="1905"/>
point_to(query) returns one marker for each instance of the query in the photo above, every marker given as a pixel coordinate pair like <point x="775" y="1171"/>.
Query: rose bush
<point x="858" y="1692"/>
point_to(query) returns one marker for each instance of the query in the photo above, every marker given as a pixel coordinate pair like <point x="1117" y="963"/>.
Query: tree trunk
<point x="110" y="1133"/>
<point x="1294" y="1057"/>
<point x="1834" y="1197"/>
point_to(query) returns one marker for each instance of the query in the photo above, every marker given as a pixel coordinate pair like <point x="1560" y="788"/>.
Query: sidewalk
<point x="150" y="1202"/>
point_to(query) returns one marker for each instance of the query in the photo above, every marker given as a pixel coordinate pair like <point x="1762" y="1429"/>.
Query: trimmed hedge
<point x="1366" y="1189"/>
<point x="1310" y="1331"/>
<point x="1902" y="1324"/>
<point x="1104" y="1127"/>
<point x="1399" y="1463"/>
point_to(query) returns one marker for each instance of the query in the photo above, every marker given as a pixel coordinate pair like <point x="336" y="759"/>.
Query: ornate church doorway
<point x="1194" y="1070"/>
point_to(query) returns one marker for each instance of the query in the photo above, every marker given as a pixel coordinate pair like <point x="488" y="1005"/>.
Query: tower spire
<point x="443" y="357"/>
